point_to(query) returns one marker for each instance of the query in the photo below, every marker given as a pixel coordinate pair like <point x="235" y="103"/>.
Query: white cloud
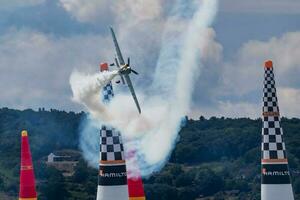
<point x="227" y="109"/>
<point x="289" y="99"/>
<point x="245" y="73"/>
<point x="259" y="6"/>
<point x="35" y="68"/>
<point x="123" y="11"/>
<point x="242" y="77"/>
<point x="211" y="51"/>
<point x="139" y="10"/>
<point x="88" y="11"/>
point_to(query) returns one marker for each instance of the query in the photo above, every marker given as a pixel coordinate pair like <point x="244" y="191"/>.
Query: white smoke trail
<point x="86" y="89"/>
<point x="153" y="133"/>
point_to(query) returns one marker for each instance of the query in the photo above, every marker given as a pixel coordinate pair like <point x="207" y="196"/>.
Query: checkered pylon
<point x="112" y="177"/>
<point x="276" y="181"/>
<point x="273" y="147"/>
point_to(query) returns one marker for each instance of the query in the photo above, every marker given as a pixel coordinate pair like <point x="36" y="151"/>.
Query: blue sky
<point x="42" y="41"/>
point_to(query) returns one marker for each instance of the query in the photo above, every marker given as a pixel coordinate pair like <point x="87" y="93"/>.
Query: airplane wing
<point x="129" y="83"/>
<point x="119" y="54"/>
<point x="118" y="65"/>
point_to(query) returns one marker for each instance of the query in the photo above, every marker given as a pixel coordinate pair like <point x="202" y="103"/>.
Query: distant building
<point x="51" y="157"/>
<point x="54" y="158"/>
<point x="65" y="164"/>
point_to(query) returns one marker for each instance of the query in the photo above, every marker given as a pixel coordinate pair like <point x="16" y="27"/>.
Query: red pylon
<point x="27" y="179"/>
<point x="135" y="182"/>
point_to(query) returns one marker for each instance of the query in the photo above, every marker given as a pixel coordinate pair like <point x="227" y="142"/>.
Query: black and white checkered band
<point x="272" y="146"/>
<point x="270" y="97"/>
<point x="107" y="93"/>
<point x="111" y="146"/>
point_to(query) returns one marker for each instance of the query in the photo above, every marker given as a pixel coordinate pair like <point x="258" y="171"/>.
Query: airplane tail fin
<point x="103" y="67"/>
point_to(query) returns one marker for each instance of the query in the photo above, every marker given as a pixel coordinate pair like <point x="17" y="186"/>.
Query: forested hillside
<point x="214" y="158"/>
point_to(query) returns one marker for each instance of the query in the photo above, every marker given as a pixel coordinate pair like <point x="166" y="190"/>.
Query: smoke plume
<point x="152" y="135"/>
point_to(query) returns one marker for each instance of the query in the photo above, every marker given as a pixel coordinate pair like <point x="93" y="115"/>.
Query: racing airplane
<point x="125" y="69"/>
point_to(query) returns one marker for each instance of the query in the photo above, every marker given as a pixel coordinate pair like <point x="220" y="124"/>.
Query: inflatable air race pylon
<point x="275" y="174"/>
<point x="27" y="179"/>
<point x="112" y="177"/>
<point x="135" y="182"/>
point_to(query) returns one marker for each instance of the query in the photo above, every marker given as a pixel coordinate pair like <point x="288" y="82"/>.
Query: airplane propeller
<point x="131" y="70"/>
<point x="135" y="72"/>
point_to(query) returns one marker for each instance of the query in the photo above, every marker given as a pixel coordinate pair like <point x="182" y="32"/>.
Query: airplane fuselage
<point x="125" y="69"/>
